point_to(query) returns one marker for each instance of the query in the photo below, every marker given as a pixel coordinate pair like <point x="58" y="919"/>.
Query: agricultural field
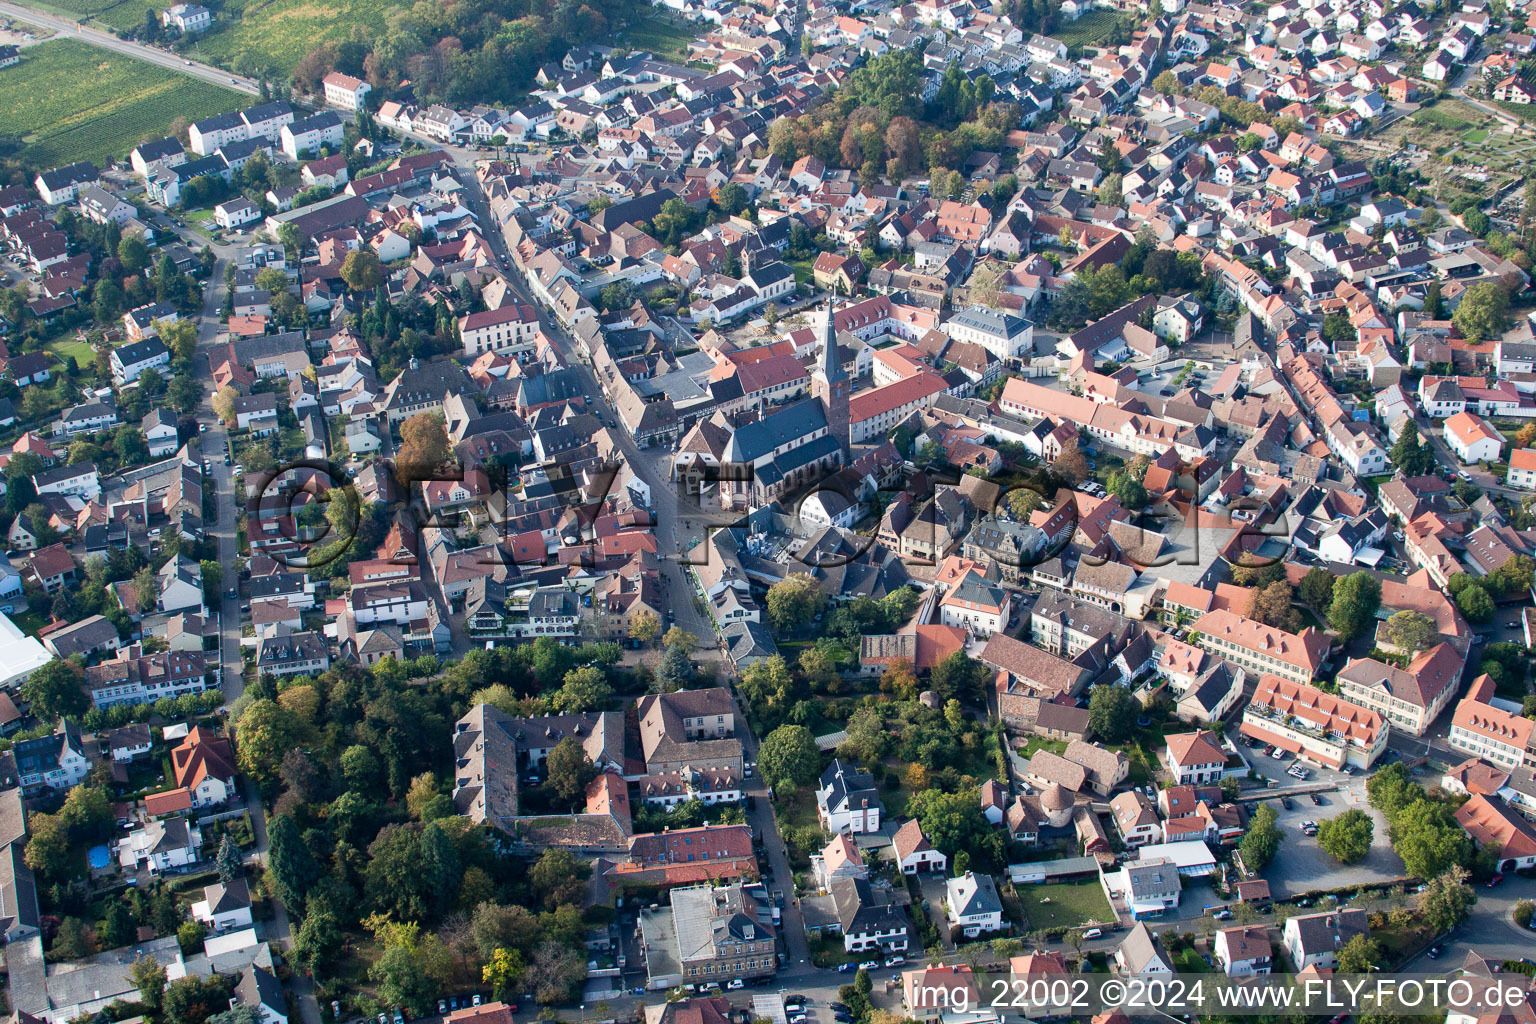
<point x="256" y="36"/>
<point x="120" y="15"/>
<point x="72" y="101"/>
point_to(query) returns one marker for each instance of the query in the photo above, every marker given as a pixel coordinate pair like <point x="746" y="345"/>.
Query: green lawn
<point x="659" y="34"/>
<point x="1477" y="136"/>
<point x="1069" y="906"/>
<point x="66" y="347"/>
<point x="1089" y="29"/>
<point x="71" y="101"/>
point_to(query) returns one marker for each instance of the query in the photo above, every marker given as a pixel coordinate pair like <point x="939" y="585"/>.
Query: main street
<point x="69" y="29"/>
<point x="676" y="518"/>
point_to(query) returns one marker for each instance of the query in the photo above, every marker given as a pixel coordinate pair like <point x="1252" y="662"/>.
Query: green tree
<point x="793" y="601"/>
<point x="1483" y="311"/>
<point x="788" y="757"/>
<point x="264" y="733"/>
<point x="1124" y="485"/>
<point x="362" y="271"/>
<point x="1475" y="603"/>
<point x="133" y="254"/>
<point x="1409" y="454"/>
<point x="1359" y="955"/>
<point x="953" y="822"/>
<point x="56" y="690"/>
<point x="1428" y="838"/>
<point x="1411" y="631"/>
<point x="961" y="676"/>
<point x="148" y="977"/>
<point x="569" y="771"/>
<point x="1446" y="901"/>
<point x="192" y="999"/>
<point x="228" y="861"/>
<point x="584" y="689"/>
<point x="1022" y="501"/>
<point x="1262" y="840"/>
<point x="48" y="852"/>
<point x="644" y="627"/>
<point x="1391" y="789"/>
<point x="1112" y="712"/>
<point x="1348" y="837"/>
<point x="291" y="868"/>
<point x="1355" y="600"/>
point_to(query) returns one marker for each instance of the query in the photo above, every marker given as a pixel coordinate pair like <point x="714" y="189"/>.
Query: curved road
<point x="68" y="29"/>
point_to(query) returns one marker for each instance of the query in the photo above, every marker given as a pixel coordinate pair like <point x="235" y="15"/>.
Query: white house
<point x="260" y="990"/>
<point x="236" y="213"/>
<point x="131" y="360"/>
<point x="224" y="906"/>
<point x="80" y="479"/>
<point x="1195" y="758"/>
<point x="161" y="846"/>
<point x="187" y="18"/>
<point x="1314" y="940"/>
<point x="345" y="92"/>
<point x="913" y="854"/>
<point x="54" y="761"/>
<point x="1243" y="951"/>
<point x="1003" y="334"/>
<point x="847" y="800"/>
<point x="159" y="429"/>
<point x="972" y="904"/>
<point x="1472" y="439"/>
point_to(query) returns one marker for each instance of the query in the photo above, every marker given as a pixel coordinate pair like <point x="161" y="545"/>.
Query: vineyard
<point x="118" y="15"/>
<point x="71" y="101"/>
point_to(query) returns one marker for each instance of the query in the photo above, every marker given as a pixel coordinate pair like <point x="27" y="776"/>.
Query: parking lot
<point x="1301" y="866"/>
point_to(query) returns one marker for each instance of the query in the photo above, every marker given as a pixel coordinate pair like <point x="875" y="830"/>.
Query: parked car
<point x="1316" y="800"/>
<point x="442" y="1007"/>
<point x="1222" y="915"/>
<point x="869" y="965"/>
<point x="1434" y="951"/>
<point x="895" y="961"/>
<point x="735" y="983"/>
<point x="1285" y="802"/>
<point x="1497" y="879"/>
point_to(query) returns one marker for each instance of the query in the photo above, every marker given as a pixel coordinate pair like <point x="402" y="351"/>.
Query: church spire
<point x="830" y="367"/>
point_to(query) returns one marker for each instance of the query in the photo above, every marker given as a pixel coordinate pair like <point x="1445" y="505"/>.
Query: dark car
<point x="1316" y="799"/>
<point x="1285" y="802"/>
<point x="1495" y="880"/>
<point x="1434" y="951"/>
<point x="839" y="1007"/>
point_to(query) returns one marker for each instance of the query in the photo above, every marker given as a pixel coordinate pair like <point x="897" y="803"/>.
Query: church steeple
<point x="830" y="384"/>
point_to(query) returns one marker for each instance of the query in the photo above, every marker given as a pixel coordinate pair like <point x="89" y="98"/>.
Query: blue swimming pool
<point x="99" y="857"/>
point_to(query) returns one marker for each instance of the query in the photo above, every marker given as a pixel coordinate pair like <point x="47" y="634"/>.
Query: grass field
<point x="1070" y="905"/>
<point x="1087" y="30"/>
<point x="72" y="101"/>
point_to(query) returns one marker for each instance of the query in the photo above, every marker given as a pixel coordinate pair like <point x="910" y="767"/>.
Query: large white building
<point x="1003" y="334"/>
<point x="346" y="92"/>
<point x="512" y="328"/>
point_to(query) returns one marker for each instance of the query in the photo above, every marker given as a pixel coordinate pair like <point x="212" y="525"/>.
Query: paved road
<point x="214" y="443"/>
<point x="68" y="29"/>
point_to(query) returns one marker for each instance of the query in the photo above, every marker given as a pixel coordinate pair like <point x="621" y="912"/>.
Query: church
<point x="785" y="451"/>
